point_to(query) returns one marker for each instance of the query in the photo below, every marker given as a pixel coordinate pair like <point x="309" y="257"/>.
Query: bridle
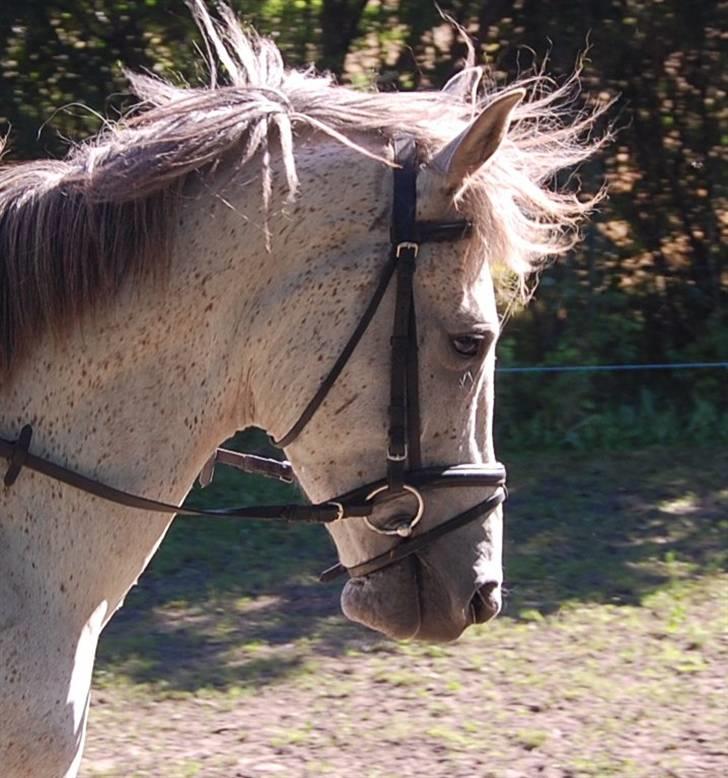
<point x="404" y="471"/>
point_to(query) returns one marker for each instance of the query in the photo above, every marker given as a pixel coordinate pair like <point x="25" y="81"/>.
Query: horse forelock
<point x="72" y="232"/>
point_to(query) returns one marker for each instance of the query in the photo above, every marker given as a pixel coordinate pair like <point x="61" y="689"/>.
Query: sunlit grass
<point x="617" y="607"/>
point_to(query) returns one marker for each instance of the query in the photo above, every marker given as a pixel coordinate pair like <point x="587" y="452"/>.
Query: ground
<point x="610" y="659"/>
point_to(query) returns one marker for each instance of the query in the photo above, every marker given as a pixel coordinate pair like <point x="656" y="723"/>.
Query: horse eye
<point x="468" y="346"/>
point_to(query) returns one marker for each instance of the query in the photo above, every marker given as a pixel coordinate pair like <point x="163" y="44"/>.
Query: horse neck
<point x="137" y="396"/>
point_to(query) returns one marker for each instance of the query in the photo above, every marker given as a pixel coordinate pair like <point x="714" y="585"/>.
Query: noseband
<point x="404" y="472"/>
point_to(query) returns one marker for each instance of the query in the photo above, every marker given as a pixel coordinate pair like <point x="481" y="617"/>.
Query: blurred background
<point x="649" y="282"/>
<point x="611" y="655"/>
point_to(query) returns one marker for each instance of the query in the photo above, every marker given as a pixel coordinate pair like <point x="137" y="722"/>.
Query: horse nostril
<point x="486" y="602"/>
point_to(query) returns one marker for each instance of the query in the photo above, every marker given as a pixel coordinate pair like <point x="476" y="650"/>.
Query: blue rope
<point x="607" y="368"/>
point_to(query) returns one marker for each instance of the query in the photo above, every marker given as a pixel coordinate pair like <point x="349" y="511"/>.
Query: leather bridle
<point x="404" y="471"/>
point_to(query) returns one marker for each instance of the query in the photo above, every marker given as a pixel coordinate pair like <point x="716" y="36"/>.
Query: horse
<point x="195" y="269"/>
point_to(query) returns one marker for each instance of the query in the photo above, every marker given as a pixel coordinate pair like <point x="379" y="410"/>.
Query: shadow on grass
<point x="234" y="605"/>
<point x="613" y="528"/>
<point x="234" y="644"/>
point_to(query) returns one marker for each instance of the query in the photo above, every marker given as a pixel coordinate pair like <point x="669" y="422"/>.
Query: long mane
<point x="72" y="232"/>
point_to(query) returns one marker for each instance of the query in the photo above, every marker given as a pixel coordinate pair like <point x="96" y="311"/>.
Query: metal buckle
<point x="403" y="530"/>
<point x="339" y="507"/>
<point x="397" y="457"/>
<point x="208" y="471"/>
<point x="406" y="244"/>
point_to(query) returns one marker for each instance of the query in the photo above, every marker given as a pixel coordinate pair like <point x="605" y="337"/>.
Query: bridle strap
<point x="397" y="449"/>
<point x="406" y="235"/>
<point x="353" y="504"/>
<point x="405" y="249"/>
<point x="413" y="396"/>
<point x="416" y="543"/>
<point x="18" y="456"/>
<point x="15" y="451"/>
<point x="246" y="463"/>
<point x="343" y="358"/>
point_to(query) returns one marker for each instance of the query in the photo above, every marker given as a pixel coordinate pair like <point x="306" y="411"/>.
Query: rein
<point x="404" y="471"/>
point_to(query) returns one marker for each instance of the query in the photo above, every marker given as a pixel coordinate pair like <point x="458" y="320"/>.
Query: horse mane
<point x="73" y="231"/>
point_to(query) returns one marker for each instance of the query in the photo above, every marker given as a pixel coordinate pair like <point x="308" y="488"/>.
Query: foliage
<point x="649" y="282"/>
<point x="576" y="413"/>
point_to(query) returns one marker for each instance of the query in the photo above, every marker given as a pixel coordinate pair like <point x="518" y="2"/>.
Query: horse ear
<point x="477" y="143"/>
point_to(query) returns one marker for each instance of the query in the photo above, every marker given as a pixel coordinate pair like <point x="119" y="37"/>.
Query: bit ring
<point x="403" y="530"/>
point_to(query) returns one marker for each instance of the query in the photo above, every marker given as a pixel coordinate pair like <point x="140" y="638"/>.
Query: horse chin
<point x="405" y="602"/>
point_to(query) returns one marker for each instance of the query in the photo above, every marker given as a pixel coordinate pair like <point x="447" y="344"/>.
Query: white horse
<point x="153" y="301"/>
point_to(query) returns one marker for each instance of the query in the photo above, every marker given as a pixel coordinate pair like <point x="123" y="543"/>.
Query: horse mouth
<point x="409" y="601"/>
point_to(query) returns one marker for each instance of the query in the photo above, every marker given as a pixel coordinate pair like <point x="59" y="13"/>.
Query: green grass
<point x="609" y="658"/>
<point x="235" y="605"/>
<point x="592" y="686"/>
<point x="612" y="635"/>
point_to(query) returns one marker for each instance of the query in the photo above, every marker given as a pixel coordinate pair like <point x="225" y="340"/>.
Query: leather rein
<point x="404" y="471"/>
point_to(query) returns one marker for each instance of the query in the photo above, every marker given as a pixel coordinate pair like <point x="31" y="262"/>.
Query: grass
<point x="609" y="658"/>
<point x="242" y="595"/>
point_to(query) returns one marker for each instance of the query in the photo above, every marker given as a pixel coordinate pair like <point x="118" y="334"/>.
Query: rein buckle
<point x="392" y="457"/>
